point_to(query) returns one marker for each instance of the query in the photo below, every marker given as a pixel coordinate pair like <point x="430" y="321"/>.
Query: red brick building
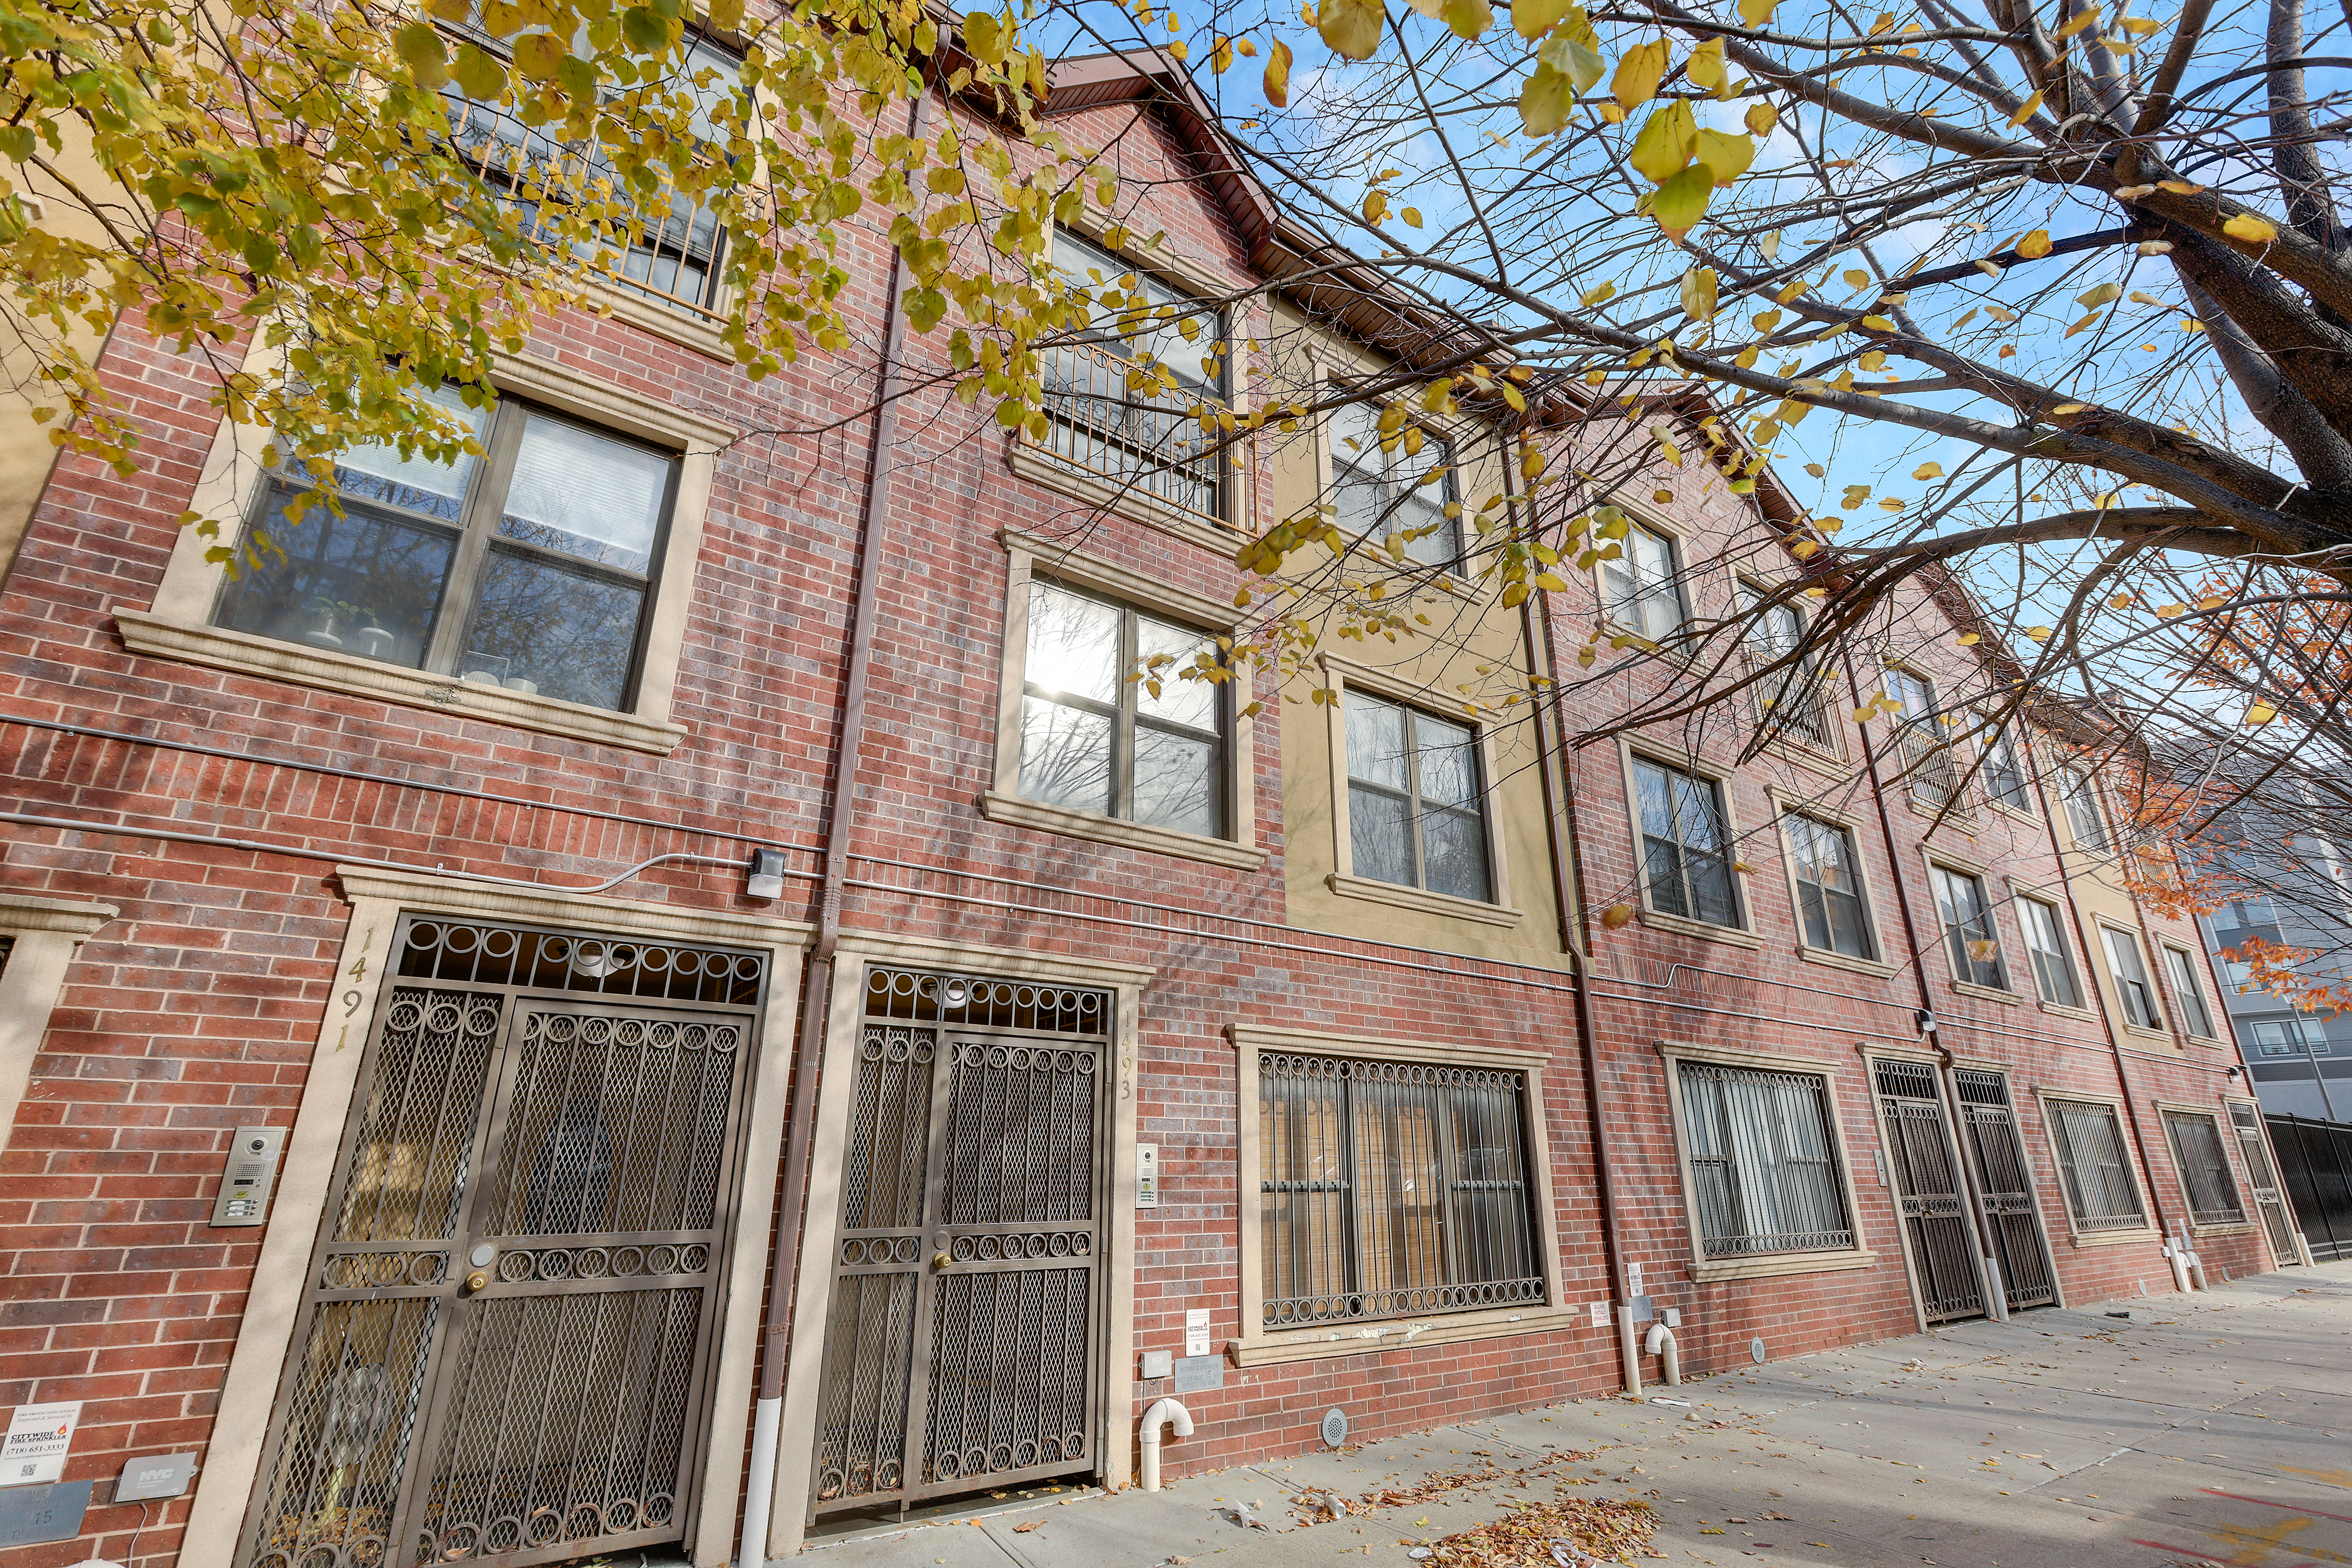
<point x="478" y="876"/>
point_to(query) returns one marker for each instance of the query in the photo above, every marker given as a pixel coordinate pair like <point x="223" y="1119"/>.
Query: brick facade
<point x="207" y="1002"/>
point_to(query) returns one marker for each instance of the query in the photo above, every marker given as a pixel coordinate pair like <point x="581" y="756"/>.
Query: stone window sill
<point x="1706" y="1271"/>
<point x="1729" y="935"/>
<point x="249" y="655"/>
<point x="2081" y="1014"/>
<point x="1805" y="757"/>
<point x="1397" y="1334"/>
<point x="1030" y="463"/>
<point x="1102" y="829"/>
<point x="699" y="333"/>
<point x="2015" y="812"/>
<point x="2115" y="1237"/>
<point x="1987" y="992"/>
<point x="2222" y="1228"/>
<point x="1845" y="961"/>
<point x="1422" y="900"/>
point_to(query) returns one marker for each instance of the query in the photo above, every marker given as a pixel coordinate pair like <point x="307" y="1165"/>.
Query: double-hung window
<point x="1919" y="739"/>
<point x="1969" y="937"/>
<point x="1790" y="697"/>
<point x="2045" y="944"/>
<point x="1109" y="722"/>
<point x="669" y="248"/>
<point x="529" y="567"/>
<point x="1398" y="487"/>
<point x="2132" y="982"/>
<point x="1641" y="589"/>
<point x="1829" y="888"/>
<point x="1416" y="800"/>
<point x="1685" y="844"/>
<point x="2195" y="1015"/>
<point x="1763" y="1161"/>
<point x="1138" y="427"/>
<point x="2004" y="772"/>
<point x="1392" y="1189"/>
<point x="2092" y="1166"/>
<point x="2083" y="819"/>
<point x="2198" y="1151"/>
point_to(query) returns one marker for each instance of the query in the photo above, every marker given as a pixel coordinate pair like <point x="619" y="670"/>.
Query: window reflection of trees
<point x="569" y="633"/>
<point x="326" y="581"/>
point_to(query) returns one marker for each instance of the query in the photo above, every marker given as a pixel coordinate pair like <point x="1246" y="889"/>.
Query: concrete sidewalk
<point x="2204" y="1428"/>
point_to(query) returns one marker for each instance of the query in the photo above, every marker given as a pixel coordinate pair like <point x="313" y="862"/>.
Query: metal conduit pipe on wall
<point x="799" y="1138"/>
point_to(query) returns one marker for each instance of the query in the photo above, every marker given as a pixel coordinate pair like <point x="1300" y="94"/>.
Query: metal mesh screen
<point x="523" y="956"/>
<point x="1763" y="1161"/>
<point x="1928" y="1184"/>
<point x="2263" y="1176"/>
<point x="2005" y="1183"/>
<point x="1392" y="1188"/>
<point x="2204" y="1169"/>
<point x="978" y="1002"/>
<point x="2100" y="1192"/>
<point x="1009" y="1384"/>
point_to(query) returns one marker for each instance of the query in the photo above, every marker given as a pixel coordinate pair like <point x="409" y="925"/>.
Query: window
<point x="2132" y="983"/>
<point x="1686" y="858"/>
<point x="2100" y="1192"/>
<point x="1763" y="1161"/>
<point x="528" y="568"/>
<point x="2195" y="1015"/>
<point x="2197" y="1149"/>
<point x="1829" y="889"/>
<point x="1144" y="437"/>
<point x="2083" y="820"/>
<point x="1792" y="697"/>
<point x="1403" y="489"/>
<point x="1640" y="587"/>
<point x="1969" y="937"/>
<point x="2290" y="1038"/>
<point x="1416" y="802"/>
<point x="1110" y="725"/>
<point x="2256" y="911"/>
<point x="673" y="252"/>
<point x="2045" y="944"/>
<point x="1390" y="1189"/>
<point x="2004" y="772"/>
<point x="1919" y="739"/>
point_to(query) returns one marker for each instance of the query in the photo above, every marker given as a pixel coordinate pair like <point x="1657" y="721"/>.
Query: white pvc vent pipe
<point x="1179" y="1421"/>
<point x="1661" y="1343"/>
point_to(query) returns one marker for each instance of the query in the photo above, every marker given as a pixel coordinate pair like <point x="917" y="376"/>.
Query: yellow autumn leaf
<point x="1616" y="917"/>
<point x="1351" y="27"/>
<point x="1756" y="13"/>
<point x="1596" y="294"/>
<point x="1277" y="75"/>
<point x="2211" y="601"/>
<point x="2035" y="245"/>
<point x="1639" y="72"/>
<point x="1412" y="216"/>
<point x="1927" y="471"/>
<point x="2100" y="295"/>
<point x="2070" y="408"/>
<point x="1760" y="121"/>
<point x="2025" y="110"/>
<point x="2038" y="634"/>
<point x="2260" y="713"/>
<point x="1665" y="142"/>
<point x="1969" y="639"/>
<point x="1698" y="293"/>
<point x="2252" y="230"/>
<point x="1545" y="100"/>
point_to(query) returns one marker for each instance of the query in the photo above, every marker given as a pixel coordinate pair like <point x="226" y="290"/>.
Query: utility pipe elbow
<point x="1661" y="1343"/>
<point x="1178" y="1420"/>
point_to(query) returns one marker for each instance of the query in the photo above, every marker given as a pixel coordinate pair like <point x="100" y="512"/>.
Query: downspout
<point x="1988" y="1278"/>
<point x="817" y="999"/>
<point x="2115" y="1039"/>
<point x="1568" y="885"/>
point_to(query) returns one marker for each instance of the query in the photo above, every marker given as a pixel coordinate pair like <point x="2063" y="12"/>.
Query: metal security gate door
<point x="2005" y="1182"/>
<point x="2263" y="1178"/>
<point x="503" y="1351"/>
<point x="963" y="1346"/>
<point x="1928" y="1183"/>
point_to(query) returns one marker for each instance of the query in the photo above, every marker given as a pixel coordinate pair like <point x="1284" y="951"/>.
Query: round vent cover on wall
<point x="1756" y="1351"/>
<point x="1335" y="1426"/>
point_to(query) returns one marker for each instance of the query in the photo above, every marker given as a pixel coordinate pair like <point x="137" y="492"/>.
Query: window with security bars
<point x="1400" y="484"/>
<point x="2195" y="1015"/>
<point x="1137" y="408"/>
<point x="1789" y="699"/>
<point x="2093" y="1167"/>
<point x="530" y="567"/>
<point x="1685" y="844"/>
<point x="1416" y="802"/>
<point x="2004" y="772"/>
<point x="1110" y="724"/>
<point x="1763" y="1161"/>
<point x="2085" y="821"/>
<point x="1641" y="587"/>
<point x="2197" y="1150"/>
<point x="1388" y="1189"/>
<point x="2045" y="945"/>
<point x="666" y="247"/>
<point x="1829" y="888"/>
<point x="1920" y="737"/>
<point x="1970" y="938"/>
<point x="2132" y="982"/>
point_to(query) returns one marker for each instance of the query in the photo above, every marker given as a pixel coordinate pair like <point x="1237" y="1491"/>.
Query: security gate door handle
<point x="941" y="1260"/>
<point x="480" y="1279"/>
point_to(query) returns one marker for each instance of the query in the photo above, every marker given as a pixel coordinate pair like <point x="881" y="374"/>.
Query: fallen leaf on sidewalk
<point x="1026" y="1529"/>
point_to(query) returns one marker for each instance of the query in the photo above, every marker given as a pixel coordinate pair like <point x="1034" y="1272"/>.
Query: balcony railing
<point x="1791" y="704"/>
<point x="1101" y="425"/>
<point x="1928" y="759"/>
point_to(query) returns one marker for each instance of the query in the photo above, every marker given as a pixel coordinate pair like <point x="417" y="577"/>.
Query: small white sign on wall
<point x="1196" y="1331"/>
<point x="35" y="1449"/>
<point x="1599" y="1314"/>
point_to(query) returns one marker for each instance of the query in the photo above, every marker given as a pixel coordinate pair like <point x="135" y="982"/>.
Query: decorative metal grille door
<point x="2005" y="1183"/>
<point x="2261" y="1175"/>
<point x="963" y="1343"/>
<point x="1927" y="1182"/>
<point x="503" y="1348"/>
